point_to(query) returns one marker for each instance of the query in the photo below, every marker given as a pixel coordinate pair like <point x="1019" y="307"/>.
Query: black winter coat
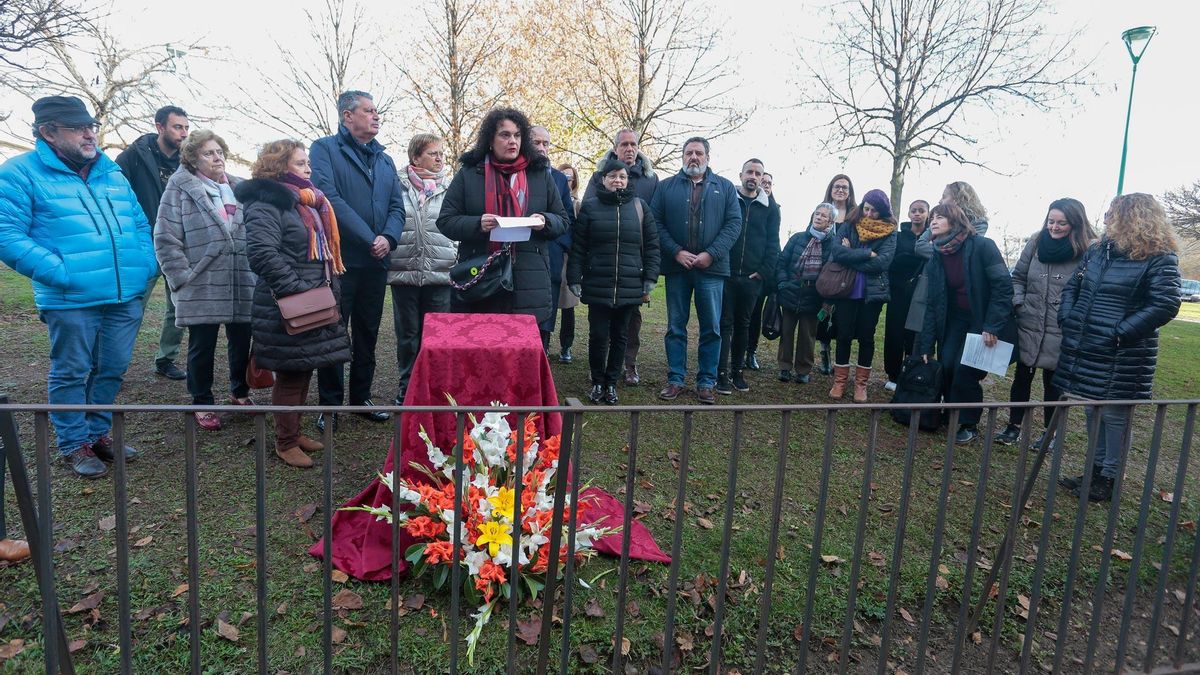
<point x="757" y="246"/>
<point x="1111" y="311"/>
<point x="140" y="167"/>
<point x="461" y="217"/>
<point x="613" y="255"/>
<point x="277" y="246"/>
<point x="796" y="295"/>
<point x="875" y="269"/>
<point x="989" y="287"/>
<point x="906" y="266"/>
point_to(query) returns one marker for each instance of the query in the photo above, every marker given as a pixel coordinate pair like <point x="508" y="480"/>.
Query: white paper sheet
<point x="991" y="359"/>
<point x="513" y="229"/>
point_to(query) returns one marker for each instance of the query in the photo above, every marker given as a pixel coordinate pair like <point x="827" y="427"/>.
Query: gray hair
<point x="348" y="101"/>
<point x="697" y="139"/>
<point x="626" y="130"/>
<point x="826" y="206"/>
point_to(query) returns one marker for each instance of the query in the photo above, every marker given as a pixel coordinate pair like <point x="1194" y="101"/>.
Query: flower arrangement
<point x="489" y="456"/>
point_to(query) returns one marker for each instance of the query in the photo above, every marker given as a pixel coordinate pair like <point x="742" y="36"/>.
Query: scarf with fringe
<point x="324" y="242"/>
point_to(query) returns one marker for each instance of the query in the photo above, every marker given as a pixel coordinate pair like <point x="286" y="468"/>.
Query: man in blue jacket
<point x="559" y="248"/>
<point x="699" y="220"/>
<point x="360" y="181"/>
<point x="70" y="222"/>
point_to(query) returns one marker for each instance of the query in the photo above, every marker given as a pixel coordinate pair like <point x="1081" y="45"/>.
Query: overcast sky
<point x="1073" y="152"/>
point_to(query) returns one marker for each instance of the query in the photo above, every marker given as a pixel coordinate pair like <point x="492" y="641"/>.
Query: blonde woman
<point x="961" y="194"/>
<point x="1126" y="287"/>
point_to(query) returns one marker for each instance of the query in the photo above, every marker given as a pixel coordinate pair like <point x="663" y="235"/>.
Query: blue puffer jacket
<point x="83" y="244"/>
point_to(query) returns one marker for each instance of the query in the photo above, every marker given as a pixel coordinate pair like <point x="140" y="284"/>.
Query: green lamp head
<point x="1136" y="41"/>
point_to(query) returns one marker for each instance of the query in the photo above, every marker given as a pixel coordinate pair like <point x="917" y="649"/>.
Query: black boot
<point x="1101" y="489"/>
<point x="1071" y="483"/>
<point x="826" y="368"/>
<point x="739" y="381"/>
<point x="724" y="386"/>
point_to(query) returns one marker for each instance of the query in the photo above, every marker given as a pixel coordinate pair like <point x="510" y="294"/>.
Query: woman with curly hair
<point x="961" y="194"/>
<point x="1126" y="287"/>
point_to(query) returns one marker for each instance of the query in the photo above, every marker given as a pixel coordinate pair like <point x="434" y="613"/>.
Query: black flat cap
<point x="64" y="110"/>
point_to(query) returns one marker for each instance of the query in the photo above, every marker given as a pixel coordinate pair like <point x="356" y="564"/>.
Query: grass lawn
<point x="85" y="558"/>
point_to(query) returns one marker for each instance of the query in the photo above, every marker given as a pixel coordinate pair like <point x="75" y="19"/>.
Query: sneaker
<point x="1010" y="435"/>
<point x="752" y="361"/>
<point x="1100" y="489"/>
<point x="889" y="386"/>
<point x="610" y="394"/>
<point x="84" y="462"/>
<point x="671" y="392"/>
<point x="596" y="394"/>
<point x="965" y="434"/>
<point x="565" y="356"/>
<point x="321" y="422"/>
<point x="785" y="375"/>
<point x="374" y="415"/>
<point x="103" y="448"/>
<point x="705" y="395"/>
<point x="803" y="379"/>
<point x="739" y="381"/>
<point x="631" y="376"/>
<point x="208" y="421"/>
<point x="724" y="386"/>
<point x="168" y="369"/>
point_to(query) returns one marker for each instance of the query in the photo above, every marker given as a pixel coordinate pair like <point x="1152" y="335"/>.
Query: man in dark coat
<point x="642" y="182"/>
<point x="751" y="267"/>
<point x="766" y="184"/>
<point x="361" y="183"/>
<point x="699" y="219"/>
<point x="559" y="248"/>
<point x="147" y="164"/>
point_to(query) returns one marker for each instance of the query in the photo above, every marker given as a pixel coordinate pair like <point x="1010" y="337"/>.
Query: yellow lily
<point x="503" y="504"/>
<point x="494" y="535"/>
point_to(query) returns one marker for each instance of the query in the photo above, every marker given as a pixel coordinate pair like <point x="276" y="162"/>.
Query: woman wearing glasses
<point x="419" y="268"/>
<point x="200" y="241"/>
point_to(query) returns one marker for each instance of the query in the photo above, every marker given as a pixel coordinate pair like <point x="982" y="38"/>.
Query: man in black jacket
<point x="361" y="182"/>
<point x="642" y="182"/>
<point x="751" y="266"/>
<point x="147" y="164"/>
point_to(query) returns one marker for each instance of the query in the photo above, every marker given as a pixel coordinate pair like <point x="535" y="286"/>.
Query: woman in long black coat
<point x="613" y="266"/>
<point x="1126" y="287"/>
<point x="970" y="291"/>
<point x="292" y="245"/>
<point x="504" y="176"/>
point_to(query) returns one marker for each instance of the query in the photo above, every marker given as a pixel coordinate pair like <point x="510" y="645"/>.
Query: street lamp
<point x="1136" y="40"/>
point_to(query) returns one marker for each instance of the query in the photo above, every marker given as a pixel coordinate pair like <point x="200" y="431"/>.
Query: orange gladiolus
<point x="425" y="527"/>
<point x="437" y="552"/>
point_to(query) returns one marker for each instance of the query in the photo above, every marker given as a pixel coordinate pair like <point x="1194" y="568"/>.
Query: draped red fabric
<point x="477" y="359"/>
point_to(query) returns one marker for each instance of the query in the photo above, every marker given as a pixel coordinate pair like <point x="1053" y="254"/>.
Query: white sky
<point x="1073" y="152"/>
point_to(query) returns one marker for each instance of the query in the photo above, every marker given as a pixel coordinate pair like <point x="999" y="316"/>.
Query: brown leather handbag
<point x="836" y="281"/>
<point x="309" y="309"/>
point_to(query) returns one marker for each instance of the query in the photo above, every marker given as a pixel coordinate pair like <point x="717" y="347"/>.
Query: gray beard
<point x="695" y="171"/>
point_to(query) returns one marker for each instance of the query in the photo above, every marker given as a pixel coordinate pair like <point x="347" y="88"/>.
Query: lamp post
<point x="1136" y="40"/>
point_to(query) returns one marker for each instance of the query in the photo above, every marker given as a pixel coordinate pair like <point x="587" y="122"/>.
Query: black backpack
<point x="919" y="383"/>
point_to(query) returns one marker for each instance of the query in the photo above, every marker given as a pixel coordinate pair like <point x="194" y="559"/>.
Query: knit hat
<point x="65" y="110"/>
<point x="880" y="202"/>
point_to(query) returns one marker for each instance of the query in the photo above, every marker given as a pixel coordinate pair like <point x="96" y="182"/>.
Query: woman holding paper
<point x="970" y="291"/>
<point x="502" y="176"/>
<point x="1048" y="261"/>
<point x="1126" y="287"/>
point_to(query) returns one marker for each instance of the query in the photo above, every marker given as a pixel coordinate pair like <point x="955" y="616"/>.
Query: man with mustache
<point x="70" y="222"/>
<point x="699" y="219"/>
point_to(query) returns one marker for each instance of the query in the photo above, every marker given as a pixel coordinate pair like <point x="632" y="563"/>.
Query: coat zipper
<point x="617" y="257"/>
<point x="111" y="239"/>
<point x="745" y="236"/>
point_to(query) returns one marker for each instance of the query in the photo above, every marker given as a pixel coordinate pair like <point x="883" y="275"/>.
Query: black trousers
<point x="202" y="349"/>
<point x="741" y="293"/>
<point x="962" y="382"/>
<point x="1022" y="388"/>
<point x="608" y="332"/>
<point x="856" y="320"/>
<point x="756" y="321"/>
<point x="410" y="304"/>
<point x="897" y="342"/>
<point x="361" y="305"/>
<point x="566" y="329"/>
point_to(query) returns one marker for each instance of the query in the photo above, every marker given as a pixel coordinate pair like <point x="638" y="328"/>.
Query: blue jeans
<point x="708" y="290"/>
<point x="1110" y="441"/>
<point x="90" y="350"/>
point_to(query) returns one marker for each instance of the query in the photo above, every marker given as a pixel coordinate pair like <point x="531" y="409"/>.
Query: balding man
<point x="559" y="248"/>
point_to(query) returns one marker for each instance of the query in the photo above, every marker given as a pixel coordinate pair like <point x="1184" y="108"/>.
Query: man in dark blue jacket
<point x="360" y="181"/>
<point x="699" y="220"/>
<point x="560" y="247"/>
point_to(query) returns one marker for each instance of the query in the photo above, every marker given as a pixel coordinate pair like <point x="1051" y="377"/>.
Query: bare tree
<point x="122" y="85"/>
<point x="28" y="25"/>
<point x="454" y="80"/>
<point x="652" y="66"/>
<point x="906" y="77"/>
<point x="301" y="102"/>
<point x="1183" y="208"/>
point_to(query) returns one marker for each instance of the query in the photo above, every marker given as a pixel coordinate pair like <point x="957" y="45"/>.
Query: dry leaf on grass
<point x="179" y="590"/>
<point x="11" y="649"/>
<point x="108" y="524"/>
<point x="340" y="577"/>
<point x="305" y="513"/>
<point x="705" y="523"/>
<point x="143" y="542"/>
<point x="339" y="635"/>
<point x="906" y="616"/>
<point x="87" y="604"/>
<point x="831" y="559"/>
<point x="593" y="609"/>
<point x="529" y="631"/>
<point x="588" y="655"/>
<point x="227" y="631"/>
<point x="347" y="599"/>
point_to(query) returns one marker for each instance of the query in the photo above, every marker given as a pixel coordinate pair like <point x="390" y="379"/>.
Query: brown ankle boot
<point x="309" y="445"/>
<point x="294" y="457"/>
<point x="841" y="375"/>
<point x="861" y="376"/>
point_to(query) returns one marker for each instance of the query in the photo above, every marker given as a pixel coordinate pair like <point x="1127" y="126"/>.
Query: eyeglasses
<point x="841" y="188"/>
<point x="79" y="129"/>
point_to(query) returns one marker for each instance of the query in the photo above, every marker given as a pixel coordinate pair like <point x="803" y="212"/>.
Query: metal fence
<point x="1093" y="624"/>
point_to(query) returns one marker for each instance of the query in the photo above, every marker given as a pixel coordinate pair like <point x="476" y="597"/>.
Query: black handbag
<point x="481" y="277"/>
<point x="772" y="318"/>
<point x="919" y="383"/>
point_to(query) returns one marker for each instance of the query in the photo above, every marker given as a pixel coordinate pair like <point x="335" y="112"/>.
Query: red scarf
<point x="505" y="187"/>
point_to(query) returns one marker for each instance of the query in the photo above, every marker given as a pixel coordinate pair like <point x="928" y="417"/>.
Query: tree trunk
<point x="897" y="185"/>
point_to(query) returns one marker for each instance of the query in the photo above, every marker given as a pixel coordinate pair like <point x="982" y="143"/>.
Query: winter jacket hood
<point x="83" y="243"/>
<point x="642" y="178"/>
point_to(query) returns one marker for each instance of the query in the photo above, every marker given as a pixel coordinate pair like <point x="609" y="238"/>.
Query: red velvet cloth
<point x="477" y="359"/>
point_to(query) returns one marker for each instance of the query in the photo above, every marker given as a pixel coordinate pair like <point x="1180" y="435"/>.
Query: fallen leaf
<point x="529" y="631"/>
<point x="144" y="541"/>
<point x="339" y="635"/>
<point x="179" y="590"/>
<point x="1121" y="555"/>
<point x="593" y="609"/>
<point x="977" y="637"/>
<point x="246" y="616"/>
<point x="705" y="523"/>
<point x="281" y="609"/>
<point x="877" y="558"/>
<point x="65" y="545"/>
<point x="305" y="513"/>
<point x="798" y="633"/>
<point x="588" y="655"/>
<point x="1167" y="497"/>
<point x="301" y="652"/>
<point x="626" y="645"/>
<point x="1189" y="525"/>
<point x="227" y="631"/>
<point x="634" y="610"/>
<point x="11" y="649"/>
<point x="347" y="599"/>
<point x="414" y="603"/>
<point x="941" y="582"/>
<point x="108" y="524"/>
<point x="831" y="559"/>
<point x="76" y="645"/>
<point x="87" y="604"/>
<point x="339" y="577"/>
<point x="906" y="616"/>
<point x="311" y="567"/>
